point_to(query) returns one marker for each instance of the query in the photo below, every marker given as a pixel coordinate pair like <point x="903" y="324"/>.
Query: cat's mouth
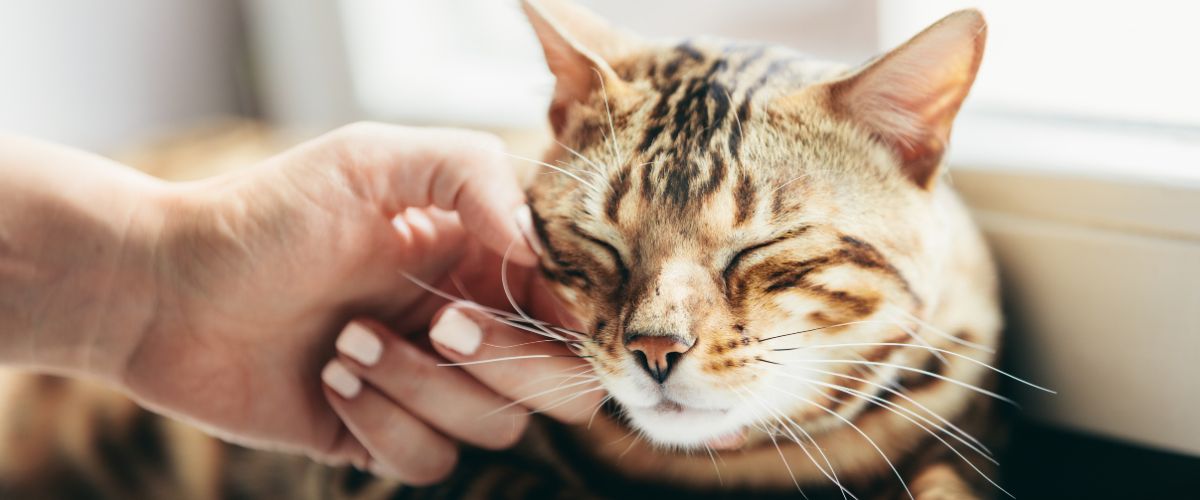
<point x="689" y="426"/>
<point x="668" y="406"/>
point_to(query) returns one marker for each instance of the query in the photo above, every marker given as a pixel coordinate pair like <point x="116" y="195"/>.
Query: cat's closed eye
<point x="742" y="254"/>
<point x="607" y="248"/>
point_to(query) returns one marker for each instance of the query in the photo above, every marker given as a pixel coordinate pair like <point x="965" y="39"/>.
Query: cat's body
<point x="766" y="261"/>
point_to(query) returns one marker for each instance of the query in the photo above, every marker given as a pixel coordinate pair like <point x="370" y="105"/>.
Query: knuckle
<point x="357" y="129"/>
<point x="482" y="148"/>
<point x="416" y="368"/>
<point x="482" y="139"/>
<point x="350" y="139"/>
<point x="424" y="468"/>
<point x="508" y="434"/>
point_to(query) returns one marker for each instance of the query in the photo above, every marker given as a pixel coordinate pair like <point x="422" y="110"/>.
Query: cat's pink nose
<point x="658" y="354"/>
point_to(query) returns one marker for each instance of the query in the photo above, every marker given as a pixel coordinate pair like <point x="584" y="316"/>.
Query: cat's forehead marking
<point x="695" y="156"/>
<point x="692" y="130"/>
<point x="693" y="120"/>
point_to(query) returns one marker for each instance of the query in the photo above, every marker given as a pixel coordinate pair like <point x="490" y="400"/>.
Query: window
<point x="1115" y="61"/>
<point x="477" y="61"/>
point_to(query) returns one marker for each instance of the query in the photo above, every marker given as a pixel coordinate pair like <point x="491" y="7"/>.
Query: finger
<point x="541" y="374"/>
<point x="445" y="397"/>
<point x="457" y="170"/>
<point x="400" y="444"/>
<point x="345" y="449"/>
<point x="477" y="278"/>
<point x="430" y="244"/>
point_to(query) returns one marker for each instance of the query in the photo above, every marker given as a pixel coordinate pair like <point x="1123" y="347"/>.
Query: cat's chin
<point x="678" y="426"/>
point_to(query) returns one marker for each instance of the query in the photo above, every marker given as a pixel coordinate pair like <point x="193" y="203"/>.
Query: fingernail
<point x="524" y="218"/>
<point x="457" y="332"/>
<point x="338" y="378"/>
<point x="360" y="344"/>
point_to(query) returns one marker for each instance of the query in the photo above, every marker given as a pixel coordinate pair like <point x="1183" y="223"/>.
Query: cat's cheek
<point x="568" y="295"/>
<point x="790" y="392"/>
<point x="576" y="306"/>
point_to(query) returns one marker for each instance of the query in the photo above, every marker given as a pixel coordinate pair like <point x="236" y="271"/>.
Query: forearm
<point x="76" y="258"/>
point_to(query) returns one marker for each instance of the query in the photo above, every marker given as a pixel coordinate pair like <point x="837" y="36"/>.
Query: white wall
<point x="104" y="75"/>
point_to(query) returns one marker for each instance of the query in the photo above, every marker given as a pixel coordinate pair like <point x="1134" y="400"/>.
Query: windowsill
<point x="1137" y="179"/>
<point x="1141" y="153"/>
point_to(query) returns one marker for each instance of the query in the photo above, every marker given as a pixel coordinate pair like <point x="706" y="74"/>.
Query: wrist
<point x="76" y="254"/>
<point x="134" y="296"/>
<point x="121" y="296"/>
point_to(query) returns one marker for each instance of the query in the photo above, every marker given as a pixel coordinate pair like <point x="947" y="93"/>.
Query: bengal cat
<point x="782" y="293"/>
<point x="766" y="254"/>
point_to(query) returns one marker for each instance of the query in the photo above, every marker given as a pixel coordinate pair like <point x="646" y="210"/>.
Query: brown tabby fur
<point x="729" y="194"/>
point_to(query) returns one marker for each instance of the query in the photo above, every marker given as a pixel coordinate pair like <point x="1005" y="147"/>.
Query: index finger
<point x="460" y="170"/>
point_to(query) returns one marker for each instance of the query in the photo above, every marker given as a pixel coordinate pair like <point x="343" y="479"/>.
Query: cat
<point x="783" y="295"/>
<point x="765" y="251"/>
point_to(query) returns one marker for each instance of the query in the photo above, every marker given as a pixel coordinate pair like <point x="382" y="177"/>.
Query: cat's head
<point x="715" y="199"/>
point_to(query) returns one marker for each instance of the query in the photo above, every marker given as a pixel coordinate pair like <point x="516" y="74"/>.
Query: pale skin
<point x="221" y="302"/>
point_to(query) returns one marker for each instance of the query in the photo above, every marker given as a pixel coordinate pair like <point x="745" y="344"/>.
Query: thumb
<point x="459" y="170"/>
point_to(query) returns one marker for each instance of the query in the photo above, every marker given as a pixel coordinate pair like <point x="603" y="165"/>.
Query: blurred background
<point x="1079" y="151"/>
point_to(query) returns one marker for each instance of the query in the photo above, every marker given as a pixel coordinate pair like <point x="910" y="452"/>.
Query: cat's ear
<point x="578" y="45"/>
<point x="908" y="98"/>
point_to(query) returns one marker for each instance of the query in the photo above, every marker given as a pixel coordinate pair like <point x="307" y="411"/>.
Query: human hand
<point x="256" y="272"/>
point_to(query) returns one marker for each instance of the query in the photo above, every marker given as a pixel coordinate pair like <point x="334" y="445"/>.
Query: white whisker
<point x="538" y="395"/>
<point x="496" y="314"/>
<point x="579" y="155"/>
<point x="720" y="480"/>
<point x="523" y="344"/>
<point x="939" y="332"/>
<point x="462" y="290"/>
<point x="860" y="432"/>
<point x="895" y="408"/>
<point x="945" y="422"/>
<point x="794" y="179"/>
<point x="943" y="351"/>
<point x="608" y="110"/>
<point x="521" y="326"/>
<point x="597" y="410"/>
<point x="917" y="370"/>
<point x="596" y="176"/>
<point x="783" y="458"/>
<point x="567" y="399"/>
<point x="831" y="475"/>
<point x="622" y="438"/>
<point x="848" y="323"/>
<point x="568" y="173"/>
<point x="508" y="292"/>
<point x="498" y="360"/>
<point x="919" y="338"/>
<point x="879" y="402"/>
<point x="629" y="448"/>
<point x="736" y="119"/>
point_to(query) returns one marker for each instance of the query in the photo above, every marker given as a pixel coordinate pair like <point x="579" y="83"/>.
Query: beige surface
<point x="232" y="145"/>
